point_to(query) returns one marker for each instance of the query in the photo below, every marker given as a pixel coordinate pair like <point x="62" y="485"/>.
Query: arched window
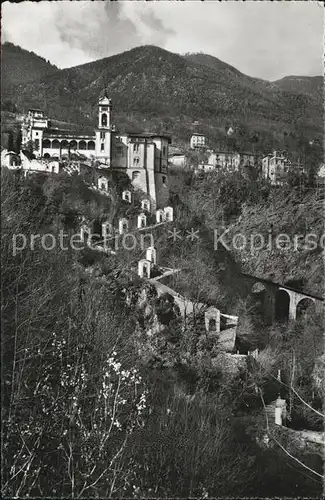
<point x="104" y="120"/>
<point x="55" y="144"/>
<point x="212" y="325"/>
<point x="126" y="195"/>
<point x="169" y="213"/>
<point x="145" y="205"/>
<point x="73" y="145"/>
<point x="64" y="144"/>
<point x="91" y="145"/>
<point x="82" y="144"/>
<point x="212" y="320"/>
<point x="160" y="215"/>
<point x="144" y="269"/>
<point x="46" y="143"/>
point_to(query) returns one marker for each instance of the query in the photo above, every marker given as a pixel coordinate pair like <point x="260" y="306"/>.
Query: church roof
<point x="104" y="98"/>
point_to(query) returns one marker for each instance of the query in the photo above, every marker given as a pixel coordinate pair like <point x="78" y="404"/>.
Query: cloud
<point x="263" y="39"/>
<point x="103" y="33"/>
<point x="108" y="29"/>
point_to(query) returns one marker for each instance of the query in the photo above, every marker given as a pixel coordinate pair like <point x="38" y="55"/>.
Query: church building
<point x="142" y="156"/>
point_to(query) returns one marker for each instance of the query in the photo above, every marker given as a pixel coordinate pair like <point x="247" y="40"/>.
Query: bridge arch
<point x="305" y="306"/>
<point x="282" y="305"/>
<point x="258" y="288"/>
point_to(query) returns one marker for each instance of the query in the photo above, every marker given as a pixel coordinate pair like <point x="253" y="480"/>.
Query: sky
<point x="263" y="39"/>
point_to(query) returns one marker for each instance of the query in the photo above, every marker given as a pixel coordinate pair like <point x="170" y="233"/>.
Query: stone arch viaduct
<point x="280" y="302"/>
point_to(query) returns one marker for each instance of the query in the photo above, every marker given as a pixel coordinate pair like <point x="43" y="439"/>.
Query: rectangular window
<point x="136" y="161"/>
<point x="136" y="148"/>
<point x="36" y="144"/>
<point x="102" y="147"/>
<point x="102" y="135"/>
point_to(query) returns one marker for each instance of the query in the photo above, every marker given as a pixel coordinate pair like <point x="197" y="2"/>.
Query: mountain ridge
<point x="153" y="88"/>
<point x="19" y="65"/>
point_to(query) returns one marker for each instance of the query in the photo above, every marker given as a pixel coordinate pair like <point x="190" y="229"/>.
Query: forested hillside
<point x="126" y="406"/>
<point x="153" y="89"/>
<point x="311" y="86"/>
<point x="248" y="206"/>
<point x="18" y="67"/>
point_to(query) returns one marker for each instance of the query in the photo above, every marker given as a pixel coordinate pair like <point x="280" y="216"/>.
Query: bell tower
<point x="104" y="129"/>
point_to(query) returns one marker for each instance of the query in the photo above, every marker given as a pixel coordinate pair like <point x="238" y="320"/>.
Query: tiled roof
<point x="69" y="133"/>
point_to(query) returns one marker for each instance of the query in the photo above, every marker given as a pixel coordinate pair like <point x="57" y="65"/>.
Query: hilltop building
<point x="143" y="157"/>
<point x="50" y="142"/>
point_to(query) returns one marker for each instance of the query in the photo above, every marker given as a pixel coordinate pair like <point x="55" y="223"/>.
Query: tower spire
<point x="103" y="132"/>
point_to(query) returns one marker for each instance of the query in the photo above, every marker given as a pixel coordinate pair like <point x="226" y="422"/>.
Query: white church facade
<point x="143" y="157"/>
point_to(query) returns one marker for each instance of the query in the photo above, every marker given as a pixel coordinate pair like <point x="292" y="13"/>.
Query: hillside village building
<point x="276" y="166"/>
<point x="143" y="157"/>
<point x="10" y="159"/>
<point x="197" y="141"/>
<point x="177" y="160"/>
<point x="229" y="160"/>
